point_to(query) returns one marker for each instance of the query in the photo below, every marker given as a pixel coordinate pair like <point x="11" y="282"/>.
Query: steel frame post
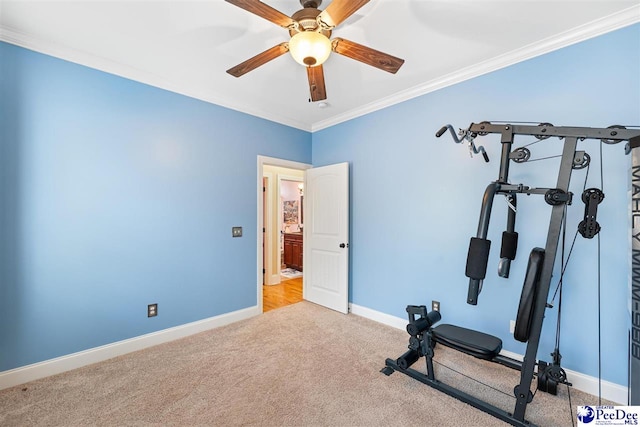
<point x="522" y="391"/>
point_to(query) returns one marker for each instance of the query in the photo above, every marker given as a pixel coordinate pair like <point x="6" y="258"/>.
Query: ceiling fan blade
<point x="258" y="60"/>
<point x="264" y="11"/>
<point x="339" y="10"/>
<point x="316" y="83"/>
<point x="367" y="55"/>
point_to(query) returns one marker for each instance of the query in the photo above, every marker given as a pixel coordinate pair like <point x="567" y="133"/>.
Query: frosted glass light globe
<point x="310" y="48"/>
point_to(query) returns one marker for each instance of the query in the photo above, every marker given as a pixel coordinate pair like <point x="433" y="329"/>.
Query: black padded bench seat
<point x="474" y="343"/>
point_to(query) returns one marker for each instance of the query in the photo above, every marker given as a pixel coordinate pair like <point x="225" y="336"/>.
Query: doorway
<point x="280" y="217"/>
<point x="326" y="234"/>
<point x="289" y="196"/>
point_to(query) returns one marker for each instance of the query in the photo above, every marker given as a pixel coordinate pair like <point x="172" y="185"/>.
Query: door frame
<point x="270" y="161"/>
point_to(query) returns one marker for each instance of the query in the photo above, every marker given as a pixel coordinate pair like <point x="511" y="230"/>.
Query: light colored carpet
<point x="301" y="365"/>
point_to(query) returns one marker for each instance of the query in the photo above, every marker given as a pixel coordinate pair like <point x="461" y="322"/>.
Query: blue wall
<point x="115" y="195"/>
<point x="415" y="199"/>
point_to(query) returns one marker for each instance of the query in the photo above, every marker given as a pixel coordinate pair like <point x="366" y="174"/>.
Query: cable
<point x="544" y="158"/>
<point x="556" y="350"/>
<point x="502" y="122"/>
<point x="601" y="171"/>
<point x="531" y="143"/>
<point x="570" y="406"/>
<point x="599" y="301"/>
<point x="566" y="263"/>
<point x="586" y="177"/>
<point x="629" y="367"/>
<point x="473" y="379"/>
<point x="599" y="333"/>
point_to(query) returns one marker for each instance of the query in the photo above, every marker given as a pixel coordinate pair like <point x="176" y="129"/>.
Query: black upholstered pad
<point x="478" y="344"/>
<point x="528" y="295"/>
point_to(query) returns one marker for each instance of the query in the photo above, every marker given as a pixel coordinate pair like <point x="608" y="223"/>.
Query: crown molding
<point x="90" y="60"/>
<point x="584" y="32"/>
<point x="595" y="28"/>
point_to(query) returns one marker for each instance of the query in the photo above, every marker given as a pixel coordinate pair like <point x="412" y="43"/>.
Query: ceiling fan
<point x="309" y="45"/>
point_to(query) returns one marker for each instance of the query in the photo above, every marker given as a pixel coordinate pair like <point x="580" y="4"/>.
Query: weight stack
<point x="634" y="280"/>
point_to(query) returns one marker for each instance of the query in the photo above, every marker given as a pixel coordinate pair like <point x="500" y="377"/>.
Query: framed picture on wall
<point x="290" y="210"/>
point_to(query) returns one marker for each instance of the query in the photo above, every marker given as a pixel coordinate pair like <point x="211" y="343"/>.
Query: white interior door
<point x="326" y="233"/>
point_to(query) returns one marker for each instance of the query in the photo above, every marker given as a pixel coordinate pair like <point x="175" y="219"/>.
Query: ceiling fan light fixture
<point x="310" y="48"/>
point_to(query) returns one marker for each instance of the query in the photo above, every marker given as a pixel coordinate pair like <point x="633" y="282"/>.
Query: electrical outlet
<point x="435" y="305"/>
<point x="512" y="326"/>
<point x="152" y="310"/>
<point x="236" y="231"/>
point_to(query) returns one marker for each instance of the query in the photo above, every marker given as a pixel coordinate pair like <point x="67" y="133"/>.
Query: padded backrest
<point x="528" y="296"/>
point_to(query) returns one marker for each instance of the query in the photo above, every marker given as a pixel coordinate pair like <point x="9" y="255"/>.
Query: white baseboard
<point x="274" y="279"/>
<point x="379" y="317"/>
<point x="61" y="364"/>
<point x="610" y="391"/>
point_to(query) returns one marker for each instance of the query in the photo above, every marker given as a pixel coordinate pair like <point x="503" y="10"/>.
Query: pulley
<point x="581" y="160"/>
<point x="613" y="133"/>
<point x="482" y="124"/>
<point x="556" y="196"/>
<point x="520" y="155"/>
<point x="589" y="227"/>
<point x="544" y="136"/>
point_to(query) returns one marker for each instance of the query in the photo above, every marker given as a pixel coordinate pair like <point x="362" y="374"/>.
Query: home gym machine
<point x="533" y="301"/>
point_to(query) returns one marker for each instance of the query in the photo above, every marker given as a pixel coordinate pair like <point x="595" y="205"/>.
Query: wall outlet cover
<point x="152" y="310"/>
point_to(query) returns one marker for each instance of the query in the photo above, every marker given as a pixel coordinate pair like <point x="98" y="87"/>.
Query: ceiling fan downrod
<point x="311" y="3"/>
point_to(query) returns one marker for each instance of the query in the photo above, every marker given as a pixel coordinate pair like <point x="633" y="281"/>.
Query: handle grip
<point x="442" y="130"/>
<point x="463" y="137"/>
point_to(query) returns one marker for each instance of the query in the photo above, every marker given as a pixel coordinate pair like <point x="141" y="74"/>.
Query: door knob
<point x="343" y="245"/>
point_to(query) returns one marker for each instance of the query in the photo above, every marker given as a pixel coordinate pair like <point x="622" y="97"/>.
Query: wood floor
<point x="285" y="293"/>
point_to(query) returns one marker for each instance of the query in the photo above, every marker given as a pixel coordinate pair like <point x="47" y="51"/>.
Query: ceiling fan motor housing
<point x="306" y="19"/>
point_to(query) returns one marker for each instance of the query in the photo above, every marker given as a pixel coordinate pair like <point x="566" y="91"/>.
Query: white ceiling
<point x="186" y="46"/>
